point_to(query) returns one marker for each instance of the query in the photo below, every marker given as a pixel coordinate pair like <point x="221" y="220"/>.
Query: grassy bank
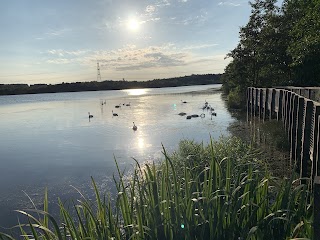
<point x="219" y="191"/>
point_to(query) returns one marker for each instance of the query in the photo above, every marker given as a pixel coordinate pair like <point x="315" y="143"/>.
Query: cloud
<point x="131" y="58"/>
<point x="150" y="9"/>
<point x="227" y="3"/>
<point x="199" y="18"/>
<point x="200" y="46"/>
<point x="163" y="3"/>
<point x="56" y="32"/>
<point x="61" y="53"/>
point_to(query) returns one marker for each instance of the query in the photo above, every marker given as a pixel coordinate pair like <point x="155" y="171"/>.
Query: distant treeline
<point x="13" y="89"/>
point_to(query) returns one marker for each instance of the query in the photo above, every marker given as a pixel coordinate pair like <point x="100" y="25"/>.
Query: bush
<point x="236" y="99"/>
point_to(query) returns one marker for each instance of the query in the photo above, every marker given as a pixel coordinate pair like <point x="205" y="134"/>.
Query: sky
<point x="45" y="41"/>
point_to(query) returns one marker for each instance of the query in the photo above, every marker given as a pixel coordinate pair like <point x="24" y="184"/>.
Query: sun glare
<point x="133" y="24"/>
<point x="135" y="92"/>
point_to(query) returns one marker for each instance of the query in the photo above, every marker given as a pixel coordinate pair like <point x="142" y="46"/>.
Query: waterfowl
<point x="183" y="101"/>
<point x="117" y="106"/>
<point x="194" y="115"/>
<point x="90" y="116"/>
<point x="114" y="114"/>
<point x="189" y="117"/>
<point x="134" y="127"/>
<point x="128" y="104"/>
<point x="182" y="114"/>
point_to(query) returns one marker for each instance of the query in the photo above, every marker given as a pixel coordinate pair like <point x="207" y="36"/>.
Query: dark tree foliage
<point x="278" y="46"/>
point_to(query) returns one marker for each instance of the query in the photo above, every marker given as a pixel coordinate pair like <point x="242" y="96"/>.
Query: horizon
<point x="105" y="80"/>
<point x="55" y="42"/>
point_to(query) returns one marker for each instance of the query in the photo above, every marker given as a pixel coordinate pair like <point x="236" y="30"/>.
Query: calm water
<point x="48" y="141"/>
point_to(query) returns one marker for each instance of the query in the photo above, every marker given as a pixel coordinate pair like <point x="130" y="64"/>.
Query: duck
<point x="183" y="101"/>
<point x="189" y="117"/>
<point x="117" y="106"/>
<point x="134" y="127"/>
<point x="114" y="114"/>
<point x="182" y="114"/>
<point x="128" y="104"/>
<point x="90" y="116"/>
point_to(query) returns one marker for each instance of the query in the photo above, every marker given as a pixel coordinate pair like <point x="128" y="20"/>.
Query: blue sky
<point x="58" y="41"/>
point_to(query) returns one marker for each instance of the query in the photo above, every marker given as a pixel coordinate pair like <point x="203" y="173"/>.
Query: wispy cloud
<point x="198" y="18"/>
<point x="61" y="53"/>
<point x="57" y="32"/>
<point x="163" y="3"/>
<point x="52" y="33"/>
<point x="228" y="3"/>
<point x="200" y="46"/>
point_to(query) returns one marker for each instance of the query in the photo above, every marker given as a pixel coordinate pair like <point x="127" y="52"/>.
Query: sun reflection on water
<point x="136" y="92"/>
<point x="141" y="143"/>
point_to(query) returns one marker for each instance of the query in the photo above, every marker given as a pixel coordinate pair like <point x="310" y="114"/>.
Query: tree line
<point x="194" y="79"/>
<point x="278" y="46"/>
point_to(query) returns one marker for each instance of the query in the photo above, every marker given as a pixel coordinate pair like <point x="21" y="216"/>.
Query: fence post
<point x="256" y="102"/>
<point x="260" y="102"/>
<point x="314" y="145"/>
<point x="273" y="103"/>
<point x="299" y="126"/>
<point x="305" y="153"/>
<point x="280" y="102"/>
<point x="316" y="208"/>
<point x="293" y="129"/>
<point x="266" y="103"/>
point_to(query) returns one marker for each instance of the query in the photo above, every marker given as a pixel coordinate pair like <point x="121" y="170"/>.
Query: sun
<point x="133" y="24"/>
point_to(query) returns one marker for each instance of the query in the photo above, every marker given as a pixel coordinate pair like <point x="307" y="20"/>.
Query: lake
<point x="48" y="140"/>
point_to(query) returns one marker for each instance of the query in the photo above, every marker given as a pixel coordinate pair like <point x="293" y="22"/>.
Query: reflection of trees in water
<point x="269" y="137"/>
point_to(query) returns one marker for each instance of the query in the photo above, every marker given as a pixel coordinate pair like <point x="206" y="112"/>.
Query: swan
<point x="134" y="127"/>
<point x="90" y="116"/>
<point x="114" y="114"/>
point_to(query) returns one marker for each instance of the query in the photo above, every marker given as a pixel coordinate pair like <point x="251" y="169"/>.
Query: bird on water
<point x="114" y="114"/>
<point x="134" y="127"/>
<point x="90" y="116"/>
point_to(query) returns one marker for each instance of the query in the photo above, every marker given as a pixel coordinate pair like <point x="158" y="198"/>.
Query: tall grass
<point x="219" y="191"/>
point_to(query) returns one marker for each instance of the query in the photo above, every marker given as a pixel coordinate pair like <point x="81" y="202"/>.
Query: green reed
<point x="219" y="191"/>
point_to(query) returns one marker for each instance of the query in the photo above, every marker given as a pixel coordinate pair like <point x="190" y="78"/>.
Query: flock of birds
<point x="116" y="114"/>
<point x="206" y="106"/>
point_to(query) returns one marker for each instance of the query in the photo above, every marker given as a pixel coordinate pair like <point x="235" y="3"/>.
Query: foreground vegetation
<point x="278" y="46"/>
<point x="219" y="191"/>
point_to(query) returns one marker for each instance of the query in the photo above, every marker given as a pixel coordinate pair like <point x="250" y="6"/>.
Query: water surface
<point x="47" y="140"/>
